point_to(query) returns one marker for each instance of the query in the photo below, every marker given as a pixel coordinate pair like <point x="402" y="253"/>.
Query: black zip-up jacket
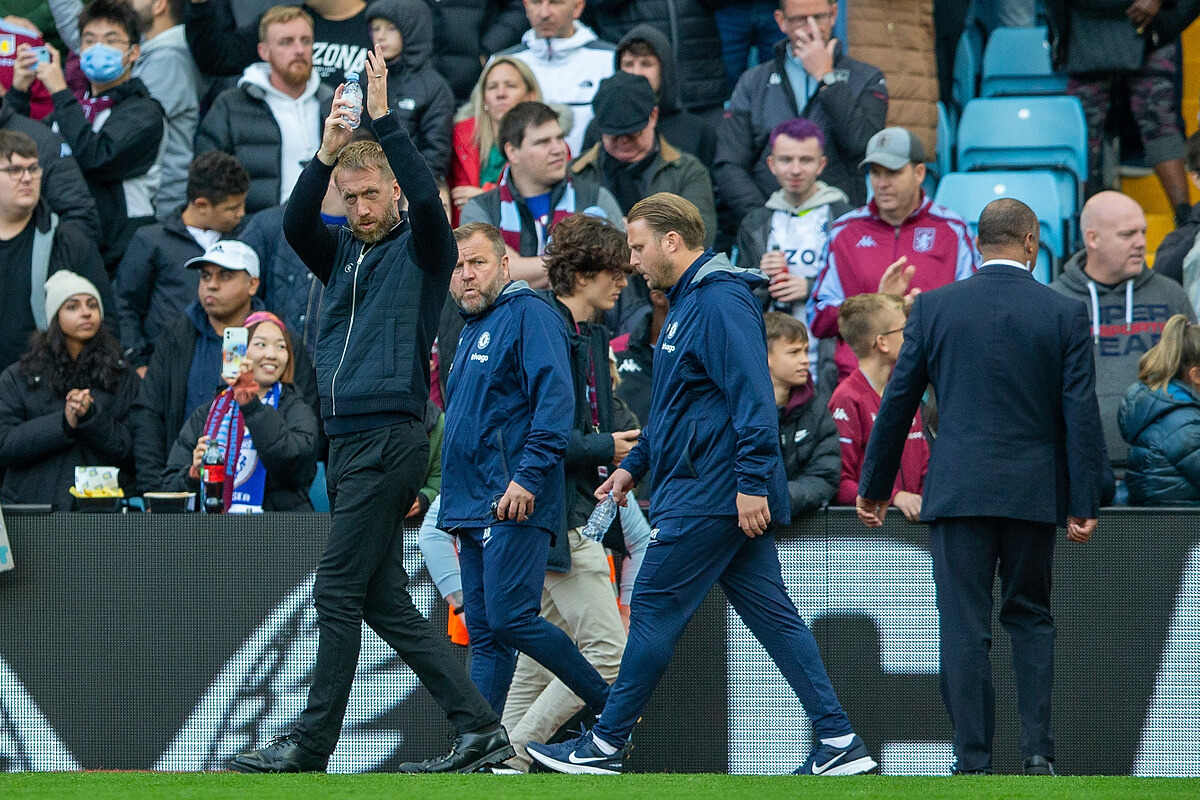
<point x="153" y="286"/>
<point x="417" y="94"/>
<point x="695" y="44"/>
<point x="379" y="313"/>
<point x="158" y="412"/>
<point x="126" y="146"/>
<point x="850" y="112"/>
<point x="812" y="455"/>
<point x="39" y="451"/>
<point x="285" y="439"/>
<point x="63" y="186"/>
<point x="241" y="123"/>
<point x="72" y="249"/>
<point x="590" y="446"/>
<point x="683" y="129"/>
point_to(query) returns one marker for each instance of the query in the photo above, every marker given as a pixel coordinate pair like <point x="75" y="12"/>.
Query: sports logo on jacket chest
<point x="671" y="329"/>
<point x="482" y="342"/>
<point x="923" y="239"/>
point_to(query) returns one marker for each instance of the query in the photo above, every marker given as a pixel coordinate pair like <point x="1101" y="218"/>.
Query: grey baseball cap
<point x="893" y="148"/>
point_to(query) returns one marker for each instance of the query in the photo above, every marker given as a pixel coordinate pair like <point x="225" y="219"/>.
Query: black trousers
<point x="373" y="478"/>
<point x="967" y="553"/>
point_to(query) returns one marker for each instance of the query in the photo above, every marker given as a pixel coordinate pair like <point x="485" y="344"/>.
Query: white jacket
<point x="568" y="72"/>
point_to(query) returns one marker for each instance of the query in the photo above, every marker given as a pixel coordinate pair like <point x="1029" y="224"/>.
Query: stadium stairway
<point x="1147" y="190"/>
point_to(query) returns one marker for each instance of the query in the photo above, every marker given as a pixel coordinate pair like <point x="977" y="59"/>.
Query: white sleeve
<point x="440" y="552"/>
<point x="637" y="539"/>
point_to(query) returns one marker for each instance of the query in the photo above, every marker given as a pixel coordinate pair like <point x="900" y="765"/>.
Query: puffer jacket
<point x="285" y="440"/>
<point x="39" y="451"/>
<point x="241" y="123"/>
<point x="898" y="35"/>
<point x="1163" y="432"/>
<point x="695" y="45"/>
<point x="812" y="456"/>
<point x="153" y="286"/>
<point x="419" y="96"/>
<point x="120" y="160"/>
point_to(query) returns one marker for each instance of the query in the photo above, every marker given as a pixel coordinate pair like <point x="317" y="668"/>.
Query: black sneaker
<point x="469" y="753"/>
<point x="1039" y="765"/>
<point x="283" y="754"/>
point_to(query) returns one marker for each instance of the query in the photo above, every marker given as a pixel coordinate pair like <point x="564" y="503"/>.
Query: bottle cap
<point x="351" y="76"/>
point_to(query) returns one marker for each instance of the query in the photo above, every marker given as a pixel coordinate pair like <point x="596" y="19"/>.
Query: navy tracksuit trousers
<point x="503" y="569"/>
<point x="685" y="558"/>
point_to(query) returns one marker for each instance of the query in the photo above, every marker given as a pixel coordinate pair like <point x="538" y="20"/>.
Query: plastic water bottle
<point x="352" y="91"/>
<point x="601" y="519"/>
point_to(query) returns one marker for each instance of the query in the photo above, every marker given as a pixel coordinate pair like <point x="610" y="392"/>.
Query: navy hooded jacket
<point x="509" y="412"/>
<point x="713" y="428"/>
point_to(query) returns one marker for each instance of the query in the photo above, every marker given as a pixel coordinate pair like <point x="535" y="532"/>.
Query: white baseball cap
<point x="230" y="254"/>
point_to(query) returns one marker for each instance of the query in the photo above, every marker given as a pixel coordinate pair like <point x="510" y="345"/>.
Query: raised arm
<point x="434" y="249"/>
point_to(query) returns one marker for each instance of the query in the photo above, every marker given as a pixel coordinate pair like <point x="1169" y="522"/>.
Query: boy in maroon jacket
<point x="873" y="326"/>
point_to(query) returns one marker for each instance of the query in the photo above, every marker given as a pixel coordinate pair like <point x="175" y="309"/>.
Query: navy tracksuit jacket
<point x="713" y="431"/>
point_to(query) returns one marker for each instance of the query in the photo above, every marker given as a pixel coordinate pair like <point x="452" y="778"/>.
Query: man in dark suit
<point x="1019" y="450"/>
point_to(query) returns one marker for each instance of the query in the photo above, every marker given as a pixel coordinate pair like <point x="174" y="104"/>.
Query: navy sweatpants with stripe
<point x="685" y="558"/>
<point x="503" y="569"/>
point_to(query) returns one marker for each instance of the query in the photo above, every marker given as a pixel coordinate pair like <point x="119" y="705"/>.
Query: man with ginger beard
<point x="384" y="290"/>
<point x="271" y="121"/>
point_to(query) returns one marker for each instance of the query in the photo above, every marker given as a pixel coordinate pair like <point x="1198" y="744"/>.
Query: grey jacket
<point x="850" y="112"/>
<point x="1127" y="320"/>
<point x="167" y="69"/>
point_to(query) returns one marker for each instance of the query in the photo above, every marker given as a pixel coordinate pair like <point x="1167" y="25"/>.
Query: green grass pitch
<point x="206" y="786"/>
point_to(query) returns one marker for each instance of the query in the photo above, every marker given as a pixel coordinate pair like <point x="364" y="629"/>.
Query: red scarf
<point x="510" y="215"/>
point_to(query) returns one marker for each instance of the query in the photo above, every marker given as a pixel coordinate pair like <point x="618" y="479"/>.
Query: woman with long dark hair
<point x="64" y="404"/>
<point x="265" y="431"/>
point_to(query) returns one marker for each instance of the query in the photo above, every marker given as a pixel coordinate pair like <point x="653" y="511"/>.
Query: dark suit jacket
<point x="1019" y="432"/>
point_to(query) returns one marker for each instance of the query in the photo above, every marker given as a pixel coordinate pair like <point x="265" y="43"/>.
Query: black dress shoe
<point x="469" y="753"/>
<point x="283" y="754"/>
<point x="1039" y="765"/>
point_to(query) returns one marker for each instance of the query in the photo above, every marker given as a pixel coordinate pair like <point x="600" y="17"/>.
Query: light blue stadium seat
<point x="968" y="58"/>
<point x="945" y="140"/>
<point x="1047" y="133"/>
<point x="967" y="193"/>
<point x="318" y="493"/>
<point x="1017" y="62"/>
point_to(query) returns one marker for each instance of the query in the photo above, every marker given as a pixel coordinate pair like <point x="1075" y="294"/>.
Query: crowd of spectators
<point x="148" y="149"/>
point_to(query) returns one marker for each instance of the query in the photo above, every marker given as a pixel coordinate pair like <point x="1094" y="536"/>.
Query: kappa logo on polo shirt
<point x="841" y="415"/>
<point x="629" y="365"/>
<point x="866" y="241"/>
